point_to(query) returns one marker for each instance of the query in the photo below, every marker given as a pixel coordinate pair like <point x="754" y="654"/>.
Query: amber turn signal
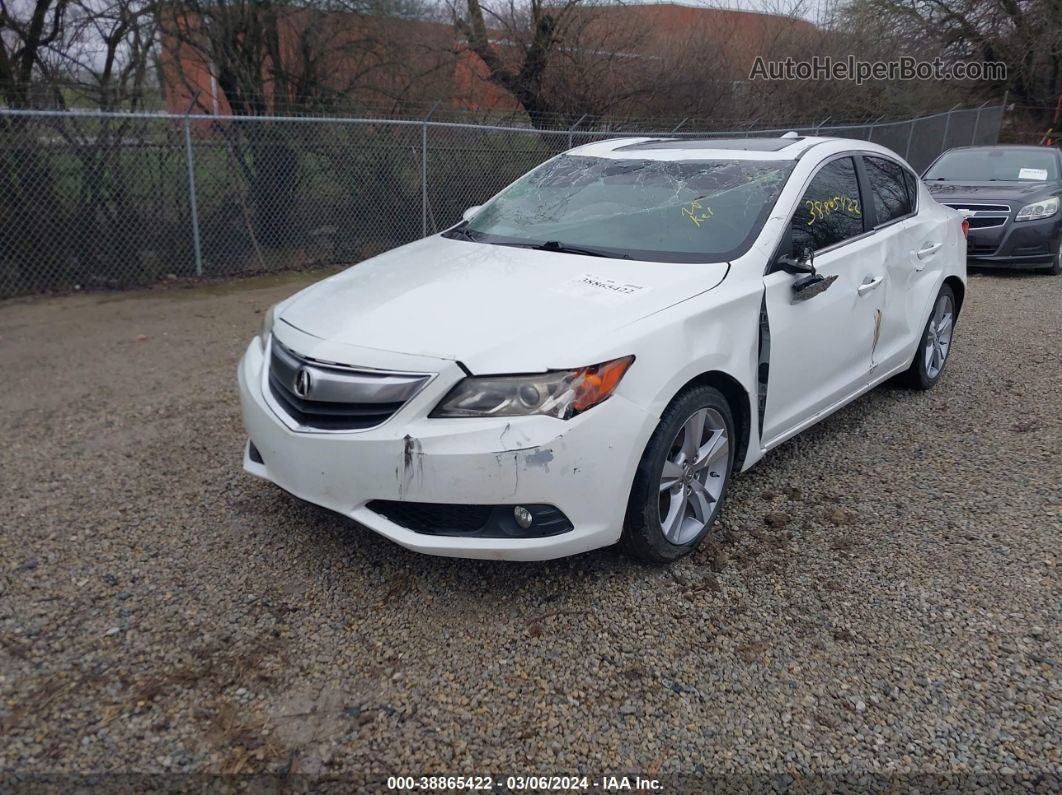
<point x="596" y="383"/>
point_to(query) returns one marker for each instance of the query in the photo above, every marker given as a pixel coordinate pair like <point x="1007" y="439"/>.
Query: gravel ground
<point x="882" y="595"/>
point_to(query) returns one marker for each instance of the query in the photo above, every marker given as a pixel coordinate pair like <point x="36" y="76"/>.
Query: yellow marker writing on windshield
<point x="696" y="213"/>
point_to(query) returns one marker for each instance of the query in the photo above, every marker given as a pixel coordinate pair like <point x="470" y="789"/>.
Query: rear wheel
<point x="682" y="478"/>
<point x="935" y="344"/>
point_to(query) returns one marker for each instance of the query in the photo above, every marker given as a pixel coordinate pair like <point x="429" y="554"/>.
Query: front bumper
<point x="583" y="466"/>
<point x="1015" y="244"/>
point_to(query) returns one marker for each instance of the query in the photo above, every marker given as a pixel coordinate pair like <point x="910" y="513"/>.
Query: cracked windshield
<point x="656" y="210"/>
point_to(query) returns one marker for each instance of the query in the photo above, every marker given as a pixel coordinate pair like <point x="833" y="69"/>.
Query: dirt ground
<point x="881" y="597"/>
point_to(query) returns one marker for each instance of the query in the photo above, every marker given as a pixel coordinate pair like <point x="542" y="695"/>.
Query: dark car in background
<point x="1011" y="195"/>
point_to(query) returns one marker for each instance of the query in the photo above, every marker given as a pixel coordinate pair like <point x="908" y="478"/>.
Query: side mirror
<point x="805" y="265"/>
<point x="470" y="213"/>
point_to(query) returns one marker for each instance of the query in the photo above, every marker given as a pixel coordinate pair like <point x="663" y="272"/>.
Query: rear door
<point x="934" y="245"/>
<point x="821" y="346"/>
<point x="891" y="208"/>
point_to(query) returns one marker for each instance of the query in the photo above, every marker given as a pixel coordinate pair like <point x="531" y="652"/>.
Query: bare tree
<point x="1026" y="35"/>
<point x="26" y="31"/>
<point x="532" y="33"/>
<point x="562" y="60"/>
<point x="106" y="53"/>
<point x="238" y="43"/>
<point x="287" y="56"/>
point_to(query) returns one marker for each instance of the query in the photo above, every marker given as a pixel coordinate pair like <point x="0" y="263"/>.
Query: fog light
<point x="522" y="516"/>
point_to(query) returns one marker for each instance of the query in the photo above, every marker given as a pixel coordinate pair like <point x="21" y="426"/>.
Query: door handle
<point x="927" y="250"/>
<point x="869" y="284"/>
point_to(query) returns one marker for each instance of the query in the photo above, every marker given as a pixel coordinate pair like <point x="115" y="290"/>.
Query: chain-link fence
<point x="96" y="201"/>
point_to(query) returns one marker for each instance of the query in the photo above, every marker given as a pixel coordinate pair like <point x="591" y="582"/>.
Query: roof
<point x="1031" y="147"/>
<point x="746" y="144"/>
<point x="703" y="149"/>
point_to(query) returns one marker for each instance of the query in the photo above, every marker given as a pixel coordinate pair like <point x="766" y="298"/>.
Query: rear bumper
<point x="583" y="466"/>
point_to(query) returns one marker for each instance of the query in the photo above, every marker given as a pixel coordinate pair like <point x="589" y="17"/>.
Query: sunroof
<point x="746" y="144"/>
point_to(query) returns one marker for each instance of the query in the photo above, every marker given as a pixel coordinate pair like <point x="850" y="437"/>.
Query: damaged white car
<point x="590" y="356"/>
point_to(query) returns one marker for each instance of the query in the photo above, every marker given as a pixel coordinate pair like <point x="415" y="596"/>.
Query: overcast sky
<point x="808" y="9"/>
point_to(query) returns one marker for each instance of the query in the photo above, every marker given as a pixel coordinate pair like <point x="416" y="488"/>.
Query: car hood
<point x="493" y="308"/>
<point x="1009" y="192"/>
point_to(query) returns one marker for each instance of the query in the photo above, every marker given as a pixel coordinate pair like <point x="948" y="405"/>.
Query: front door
<point x="820" y="347"/>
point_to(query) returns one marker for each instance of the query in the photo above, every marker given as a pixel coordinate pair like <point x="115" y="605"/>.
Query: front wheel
<point x="681" y="480"/>
<point x="1056" y="264"/>
<point x="935" y="344"/>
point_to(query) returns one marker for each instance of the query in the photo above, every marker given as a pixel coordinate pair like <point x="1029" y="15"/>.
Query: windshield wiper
<point x="563" y="248"/>
<point x="463" y="232"/>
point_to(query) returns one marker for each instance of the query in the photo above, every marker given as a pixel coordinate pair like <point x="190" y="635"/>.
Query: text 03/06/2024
<point x="562" y="783"/>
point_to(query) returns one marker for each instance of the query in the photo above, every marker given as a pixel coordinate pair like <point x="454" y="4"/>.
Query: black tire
<point x="919" y="376"/>
<point x="643" y="535"/>
<point x="1055" y="268"/>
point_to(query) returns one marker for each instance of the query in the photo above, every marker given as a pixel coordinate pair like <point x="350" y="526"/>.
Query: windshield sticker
<point x="1032" y="173"/>
<point x="820" y="210"/>
<point x="600" y="288"/>
<point x="696" y="213"/>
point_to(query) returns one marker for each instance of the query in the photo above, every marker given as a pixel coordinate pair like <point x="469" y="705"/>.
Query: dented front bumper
<point x="583" y="466"/>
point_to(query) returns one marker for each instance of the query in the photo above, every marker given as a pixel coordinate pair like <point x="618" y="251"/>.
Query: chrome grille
<point x="978" y="208"/>
<point x="312" y="395"/>
<point x="983" y="216"/>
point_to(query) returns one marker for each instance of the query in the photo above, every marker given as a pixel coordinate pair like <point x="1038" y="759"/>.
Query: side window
<point x="888" y="189"/>
<point x="912" y="188"/>
<point x="830" y="209"/>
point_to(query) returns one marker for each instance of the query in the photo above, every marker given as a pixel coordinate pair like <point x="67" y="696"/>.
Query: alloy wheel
<point x="694" y="474"/>
<point x="938" y="335"/>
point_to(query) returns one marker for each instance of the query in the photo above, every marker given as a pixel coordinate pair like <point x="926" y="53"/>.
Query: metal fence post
<point x="1002" y="116"/>
<point x="873" y="126"/>
<point x="947" y="126"/>
<point x="424" y="172"/>
<point x="977" y="123"/>
<point x="190" y="162"/>
<point x="570" y="129"/>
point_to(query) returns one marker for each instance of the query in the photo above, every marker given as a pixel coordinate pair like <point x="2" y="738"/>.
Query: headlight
<point x="1033" y="212"/>
<point x="267" y="327"/>
<point x="558" y="393"/>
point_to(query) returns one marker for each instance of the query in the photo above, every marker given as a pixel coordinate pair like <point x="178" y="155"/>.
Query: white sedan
<point x="587" y="358"/>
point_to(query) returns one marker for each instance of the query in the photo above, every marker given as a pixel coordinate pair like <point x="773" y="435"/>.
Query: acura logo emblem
<point x="302" y="382"/>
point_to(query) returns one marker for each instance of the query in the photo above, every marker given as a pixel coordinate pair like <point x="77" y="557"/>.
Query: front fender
<point x="717" y="331"/>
